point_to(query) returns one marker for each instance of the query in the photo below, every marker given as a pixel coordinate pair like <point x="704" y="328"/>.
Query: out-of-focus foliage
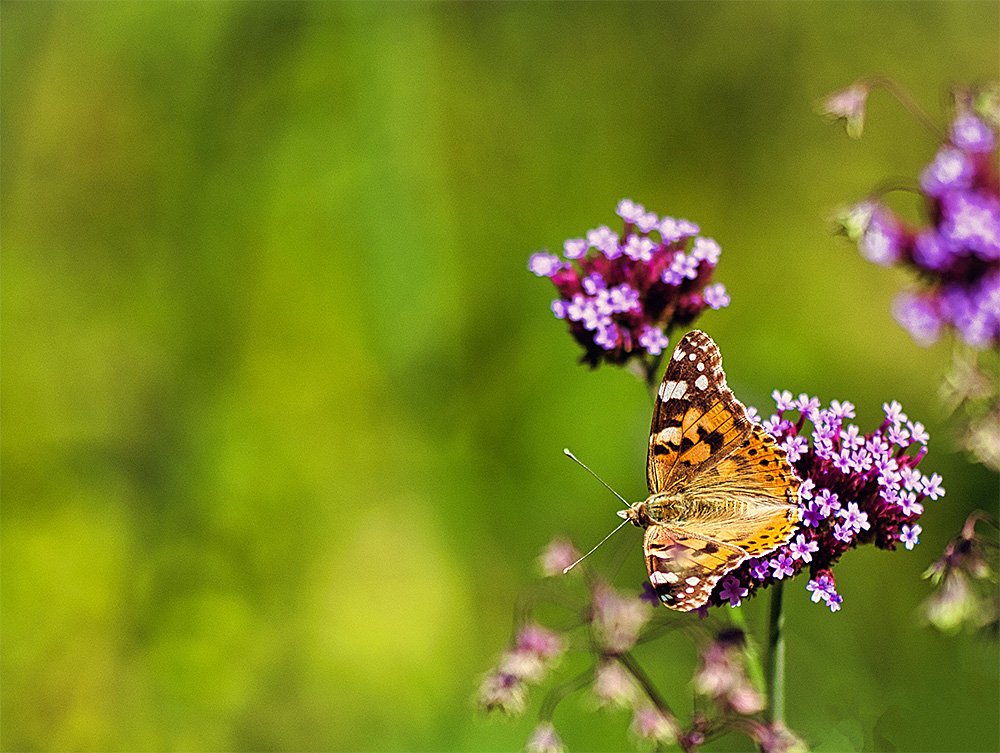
<point x="283" y="409"/>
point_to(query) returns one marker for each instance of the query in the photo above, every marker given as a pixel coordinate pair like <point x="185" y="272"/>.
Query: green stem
<point x="561" y="691"/>
<point x="633" y="667"/>
<point x="776" y="657"/>
<point x="754" y="668"/>
<point x="909" y="104"/>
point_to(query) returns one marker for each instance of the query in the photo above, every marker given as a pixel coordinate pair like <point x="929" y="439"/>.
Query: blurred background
<point x="283" y="409"/>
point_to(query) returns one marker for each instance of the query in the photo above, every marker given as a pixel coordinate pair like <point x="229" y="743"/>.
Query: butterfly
<point x="720" y="488"/>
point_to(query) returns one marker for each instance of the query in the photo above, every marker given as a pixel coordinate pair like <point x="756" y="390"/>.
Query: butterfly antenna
<point x="608" y="487"/>
<point x="567" y="569"/>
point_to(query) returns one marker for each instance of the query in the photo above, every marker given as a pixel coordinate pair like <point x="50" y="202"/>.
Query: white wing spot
<point x="701" y="366"/>
<point x="670" y="435"/>
<point x="679" y="390"/>
<point x="679" y="355"/>
<point x="689" y="590"/>
<point x="692" y="357"/>
<point x="701" y="382"/>
<point x="692" y="581"/>
<point x="658" y="577"/>
<point x="670" y="577"/>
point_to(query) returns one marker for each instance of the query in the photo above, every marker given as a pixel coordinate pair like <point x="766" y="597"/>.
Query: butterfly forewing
<point x="697" y="420"/>
<point x="758" y="475"/>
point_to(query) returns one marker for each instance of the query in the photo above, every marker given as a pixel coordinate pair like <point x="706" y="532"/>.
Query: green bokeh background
<point x="283" y="410"/>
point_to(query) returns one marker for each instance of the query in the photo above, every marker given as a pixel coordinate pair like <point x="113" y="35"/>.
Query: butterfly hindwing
<point x="684" y="567"/>
<point x="697" y="420"/>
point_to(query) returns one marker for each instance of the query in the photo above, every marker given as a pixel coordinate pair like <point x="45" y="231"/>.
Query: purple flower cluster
<point x="621" y="295"/>
<point x="505" y="687"/>
<point x="856" y="489"/>
<point x="957" y="251"/>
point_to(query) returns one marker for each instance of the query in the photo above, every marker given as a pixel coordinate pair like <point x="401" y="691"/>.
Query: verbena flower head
<point x="649" y="723"/>
<point x="617" y="619"/>
<point x="777" y="738"/>
<point x="545" y="739"/>
<point x="613" y="686"/>
<point x="722" y="675"/>
<point x="956" y="249"/>
<point x="505" y="688"/>
<point x="847" y="105"/>
<point x="622" y="294"/>
<point x="857" y="488"/>
<point x="558" y="555"/>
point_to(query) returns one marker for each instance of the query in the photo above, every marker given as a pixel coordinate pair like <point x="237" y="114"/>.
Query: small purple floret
<point x="972" y="134"/>
<point x="716" y="296"/>
<point x="782" y="565"/>
<point x="909" y="535"/>
<point x="544" y="264"/>
<point x="732" y="591"/>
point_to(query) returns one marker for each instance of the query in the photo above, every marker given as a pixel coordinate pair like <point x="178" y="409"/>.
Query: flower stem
<point x="909" y="104"/>
<point x="561" y="691"/>
<point x="754" y="667"/>
<point x="776" y="656"/>
<point x="635" y="669"/>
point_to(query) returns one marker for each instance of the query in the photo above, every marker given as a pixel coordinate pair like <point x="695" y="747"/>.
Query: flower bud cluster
<point x="722" y="675"/>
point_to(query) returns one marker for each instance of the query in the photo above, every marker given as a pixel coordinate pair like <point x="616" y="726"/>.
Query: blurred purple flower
<point x="613" y="686"/>
<point x="965" y="578"/>
<point x="544" y="739"/>
<point x="649" y="723"/>
<point x="617" y="619"/>
<point x="847" y="105"/>
<point x="558" y="555"/>
<point x="956" y="252"/>
<point x="722" y="675"/>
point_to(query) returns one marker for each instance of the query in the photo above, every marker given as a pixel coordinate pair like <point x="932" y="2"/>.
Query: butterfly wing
<point x="697" y="420"/>
<point x="703" y="443"/>
<point x="684" y="566"/>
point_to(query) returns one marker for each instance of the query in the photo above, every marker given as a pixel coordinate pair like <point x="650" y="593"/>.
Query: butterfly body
<point x="720" y="489"/>
<point x="681" y="507"/>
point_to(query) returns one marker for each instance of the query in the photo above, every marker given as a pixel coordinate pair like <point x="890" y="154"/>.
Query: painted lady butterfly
<point x="720" y="489"/>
